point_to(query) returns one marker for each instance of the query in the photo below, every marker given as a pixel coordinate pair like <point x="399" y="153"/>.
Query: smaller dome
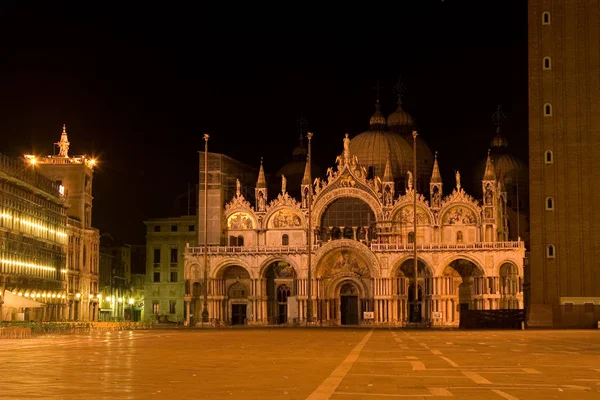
<point x="400" y="118"/>
<point x="377" y="120"/>
<point x="499" y="140"/>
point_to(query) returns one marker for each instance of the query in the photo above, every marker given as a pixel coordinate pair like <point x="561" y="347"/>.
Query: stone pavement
<point x="304" y="364"/>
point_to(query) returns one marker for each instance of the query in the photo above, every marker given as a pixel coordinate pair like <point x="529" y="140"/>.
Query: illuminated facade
<point x="74" y="175"/>
<point x="166" y="239"/>
<point x="564" y="157"/>
<point x="362" y="255"/>
<point x="33" y="244"/>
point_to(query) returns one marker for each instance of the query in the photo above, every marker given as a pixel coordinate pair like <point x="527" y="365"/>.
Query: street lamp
<point x="205" y="309"/>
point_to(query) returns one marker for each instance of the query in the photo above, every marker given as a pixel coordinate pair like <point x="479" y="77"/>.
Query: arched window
<point x="549" y="157"/>
<point x="240" y="240"/>
<point x="285" y="240"/>
<point x="550" y="251"/>
<point x="547" y="64"/>
<point x="549" y="204"/>
<point x="545" y="18"/>
<point x="411" y="237"/>
<point x="371" y="172"/>
<point x="283" y="292"/>
<point x="547" y="110"/>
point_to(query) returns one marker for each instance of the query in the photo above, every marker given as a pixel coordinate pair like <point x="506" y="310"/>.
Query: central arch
<point x="281" y="281"/>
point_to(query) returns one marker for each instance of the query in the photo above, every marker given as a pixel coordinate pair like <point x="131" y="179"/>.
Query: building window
<point x="285" y="240"/>
<point x="459" y="237"/>
<point x="545" y="18"/>
<point x="173" y="276"/>
<point x="156" y="256"/>
<point x="588" y="307"/>
<point x="174" y="253"/>
<point x="549" y="157"/>
<point x="191" y="228"/>
<point x="172" y="306"/>
<point x="411" y="237"/>
<point x="240" y="240"/>
<point x="173" y="228"/>
<point x="550" y="251"/>
<point x="547" y="64"/>
<point x="155" y="307"/>
<point x="156" y="228"/>
<point x="371" y="173"/>
<point x="547" y="110"/>
<point x="157" y="277"/>
<point x="549" y="204"/>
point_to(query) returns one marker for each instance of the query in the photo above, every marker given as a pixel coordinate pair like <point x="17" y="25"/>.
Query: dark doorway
<point x="415" y="312"/>
<point x="282" y="314"/>
<point x="238" y="314"/>
<point x="464" y="310"/>
<point x="349" y="310"/>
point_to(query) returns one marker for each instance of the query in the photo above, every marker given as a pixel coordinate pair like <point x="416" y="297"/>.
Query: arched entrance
<point x="349" y="304"/>
<point x="281" y="284"/>
<point x="464" y="283"/>
<point x="408" y="310"/>
<point x="237" y="284"/>
<point x="509" y="286"/>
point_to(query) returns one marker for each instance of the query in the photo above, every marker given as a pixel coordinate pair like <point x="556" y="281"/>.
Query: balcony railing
<point x="376" y="247"/>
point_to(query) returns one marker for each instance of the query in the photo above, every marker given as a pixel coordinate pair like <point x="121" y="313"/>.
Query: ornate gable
<point x="239" y="213"/>
<point x="459" y="208"/>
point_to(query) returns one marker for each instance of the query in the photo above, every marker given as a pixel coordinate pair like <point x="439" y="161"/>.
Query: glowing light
<point x="130" y="301"/>
<point x="63" y="296"/>
<point x="93" y="161"/>
<point x="26" y="294"/>
<point x="38" y="294"/>
<point x="99" y="296"/>
<point x="28" y="265"/>
<point x="43" y="294"/>
<point x="20" y="294"/>
<point x="61" y="189"/>
<point x="33" y="161"/>
<point x="78" y="295"/>
<point x="108" y="298"/>
<point x="120" y="300"/>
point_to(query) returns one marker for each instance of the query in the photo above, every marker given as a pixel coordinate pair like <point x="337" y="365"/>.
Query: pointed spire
<point x="63" y="144"/>
<point x="436" y="177"/>
<point x="490" y="172"/>
<point x="387" y="175"/>
<point x="261" y="182"/>
<point x="306" y="178"/>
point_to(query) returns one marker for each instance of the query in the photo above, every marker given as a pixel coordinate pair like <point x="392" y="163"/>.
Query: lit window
<point x="547" y="63"/>
<point x="549" y="157"/>
<point x="155" y="307"/>
<point x="550" y="252"/>
<point x="546" y="18"/>
<point x="549" y="204"/>
<point x="547" y="110"/>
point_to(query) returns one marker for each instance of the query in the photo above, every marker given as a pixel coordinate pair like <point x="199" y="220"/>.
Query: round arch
<point x="420" y="207"/>
<point x="449" y="206"/>
<point x="333" y="289"/>
<point x="322" y="202"/>
<point x="217" y="272"/>
<point x="448" y="260"/>
<point x="499" y="265"/>
<point x="399" y="263"/>
<point x="286" y="211"/>
<point x="193" y="272"/>
<point x="372" y="263"/>
<point x="262" y="270"/>
<point x="247" y="213"/>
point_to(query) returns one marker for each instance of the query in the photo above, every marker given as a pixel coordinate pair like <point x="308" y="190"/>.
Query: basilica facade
<point x="361" y="251"/>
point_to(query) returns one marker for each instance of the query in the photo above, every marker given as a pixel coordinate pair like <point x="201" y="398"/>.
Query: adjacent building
<point x="74" y="174"/>
<point x="166" y="240"/>
<point x="33" y="244"/>
<point x="115" y="286"/>
<point x="564" y="155"/>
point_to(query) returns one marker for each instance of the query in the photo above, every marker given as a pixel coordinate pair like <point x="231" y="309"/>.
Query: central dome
<point x="373" y="147"/>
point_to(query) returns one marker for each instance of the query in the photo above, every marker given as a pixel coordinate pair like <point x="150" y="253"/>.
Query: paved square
<point x="304" y="364"/>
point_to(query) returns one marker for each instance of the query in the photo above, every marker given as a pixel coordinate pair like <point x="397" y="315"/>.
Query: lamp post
<point x="416" y="311"/>
<point x="309" y="236"/>
<point x="205" y="308"/>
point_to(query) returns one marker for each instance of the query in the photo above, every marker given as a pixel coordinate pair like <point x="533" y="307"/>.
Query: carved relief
<point x="406" y="216"/>
<point x="459" y="215"/>
<point x="240" y="220"/>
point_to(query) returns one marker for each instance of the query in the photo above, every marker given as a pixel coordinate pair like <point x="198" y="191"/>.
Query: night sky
<point x="137" y="88"/>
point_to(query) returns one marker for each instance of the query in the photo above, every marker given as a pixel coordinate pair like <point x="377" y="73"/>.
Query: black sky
<point x="138" y="87"/>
